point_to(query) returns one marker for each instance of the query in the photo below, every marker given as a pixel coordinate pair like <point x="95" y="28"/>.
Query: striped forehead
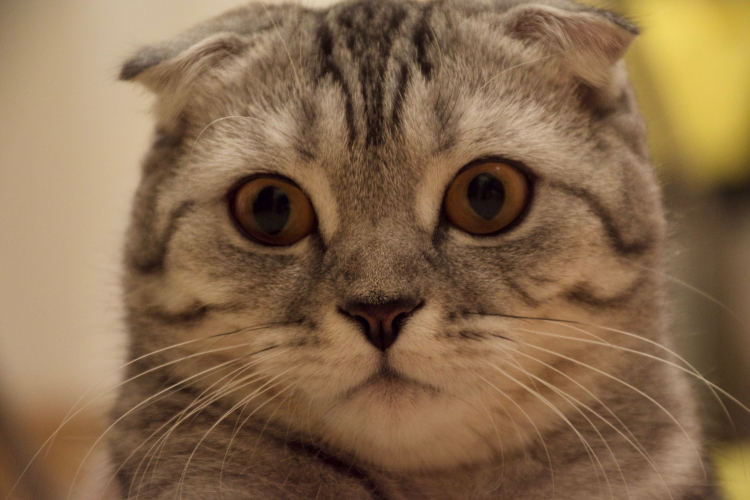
<point x="371" y="51"/>
<point x="368" y="54"/>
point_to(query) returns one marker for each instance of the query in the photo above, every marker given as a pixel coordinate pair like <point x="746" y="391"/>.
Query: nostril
<point x="364" y="324"/>
<point x="381" y="322"/>
<point x="399" y="321"/>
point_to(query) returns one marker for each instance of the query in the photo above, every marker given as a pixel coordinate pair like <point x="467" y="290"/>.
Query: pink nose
<point x="381" y="323"/>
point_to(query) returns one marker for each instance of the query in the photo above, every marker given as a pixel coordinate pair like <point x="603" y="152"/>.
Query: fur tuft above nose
<point x="381" y="322"/>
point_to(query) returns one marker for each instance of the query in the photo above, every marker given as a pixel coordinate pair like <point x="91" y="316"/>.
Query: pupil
<point x="486" y="196"/>
<point x="271" y="209"/>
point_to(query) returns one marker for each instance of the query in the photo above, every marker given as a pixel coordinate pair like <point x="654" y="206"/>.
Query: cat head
<point x="378" y="224"/>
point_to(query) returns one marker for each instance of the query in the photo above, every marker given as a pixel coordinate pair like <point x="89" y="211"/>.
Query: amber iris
<point x="486" y="198"/>
<point x="273" y="210"/>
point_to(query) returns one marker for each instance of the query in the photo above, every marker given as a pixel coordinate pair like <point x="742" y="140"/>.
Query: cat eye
<point x="486" y="198"/>
<point x="272" y="210"/>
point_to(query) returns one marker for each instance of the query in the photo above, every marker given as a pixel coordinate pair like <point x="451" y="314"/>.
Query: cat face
<point x="381" y="225"/>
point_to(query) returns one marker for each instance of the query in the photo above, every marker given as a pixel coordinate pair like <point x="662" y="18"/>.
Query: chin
<point x="400" y="425"/>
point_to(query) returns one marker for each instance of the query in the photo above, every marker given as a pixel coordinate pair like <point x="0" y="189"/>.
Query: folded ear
<point x="173" y="69"/>
<point x="589" y="41"/>
<point x="168" y="68"/>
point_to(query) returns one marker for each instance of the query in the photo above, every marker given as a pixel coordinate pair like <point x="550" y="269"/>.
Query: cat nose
<point x="381" y="322"/>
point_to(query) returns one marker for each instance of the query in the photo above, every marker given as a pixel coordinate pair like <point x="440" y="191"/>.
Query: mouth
<point x="389" y="382"/>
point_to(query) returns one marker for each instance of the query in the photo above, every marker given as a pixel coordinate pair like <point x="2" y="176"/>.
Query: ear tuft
<point x="590" y="41"/>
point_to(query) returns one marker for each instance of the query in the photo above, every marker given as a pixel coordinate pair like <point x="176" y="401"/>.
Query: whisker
<point x="154" y="452"/>
<point x="692" y="371"/>
<point x="533" y="424"/>
<point x="168" y="375"/>
<point x="162" y="393"/>
<point x="626" y="384"/>
<point x="242" y="402"/>
<point x="440" y="52"/>
<point x="257" y="442"/>
<point x="144" y="356"/>
<point x="212" y="123"/>
<point x="497" y="433"/>
<point x="202" y="401"/>
<point x="205" y="399"/>
<point x="579" y="403"/>
<point x="198" y="404"/>
<point x="48" y="442"/>
<point x="152" y="353"/>
<point x="512" y="316"/>
<point x="210" y="396"/>
<point x="576" y="404"/>
<point x="592" y="454"/>
<point x="268" y="420"/>
<point x="135" y="408"/>
<point x="151" y="399"/>
<point x="697" y="291"/>
<point x="633" y="442"/>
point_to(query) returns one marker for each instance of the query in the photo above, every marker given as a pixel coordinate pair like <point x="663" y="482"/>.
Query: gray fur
<point x="246" y="379"/>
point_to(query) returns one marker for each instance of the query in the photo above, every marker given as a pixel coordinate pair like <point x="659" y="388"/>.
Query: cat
<point x="400" y="249"/>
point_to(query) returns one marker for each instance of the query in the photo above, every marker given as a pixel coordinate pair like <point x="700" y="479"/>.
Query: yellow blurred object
<point x="733" y="468"/>
<point x="697" y="56"/>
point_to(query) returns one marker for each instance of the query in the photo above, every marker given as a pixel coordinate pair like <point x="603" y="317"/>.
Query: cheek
<point x="218" y="348"/>
<point x="544" y="267"/>
<point x="217" y="269"/>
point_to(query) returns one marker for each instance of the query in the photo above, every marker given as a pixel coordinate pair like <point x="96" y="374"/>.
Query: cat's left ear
<point x="589" y="41"/>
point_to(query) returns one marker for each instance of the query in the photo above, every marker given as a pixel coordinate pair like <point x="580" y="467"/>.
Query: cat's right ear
<point x="175" y="70"/>
<point x="165" y="68"/>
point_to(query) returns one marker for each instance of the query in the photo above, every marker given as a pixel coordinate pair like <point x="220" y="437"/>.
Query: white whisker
<point x="533" y="424"/>
<point x="72" y="414"/>
<point x="631" y="439"/>
<point x="577" y="405"/>
<point x="697" y="291"/>
<point x="241" y="403"/>
<point x="511" y="68"/>
<point x="620" y="381"/>
<point x="592" y="454"/>
<point x="153" y="397"/>
<point x="164" y="392"/>
<point x="208" y="397"/>
<point x="693" y="372"/>
<point x="497" y="432"/>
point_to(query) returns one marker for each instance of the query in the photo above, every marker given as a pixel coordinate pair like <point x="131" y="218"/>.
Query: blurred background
<point x="71" y="139"/>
